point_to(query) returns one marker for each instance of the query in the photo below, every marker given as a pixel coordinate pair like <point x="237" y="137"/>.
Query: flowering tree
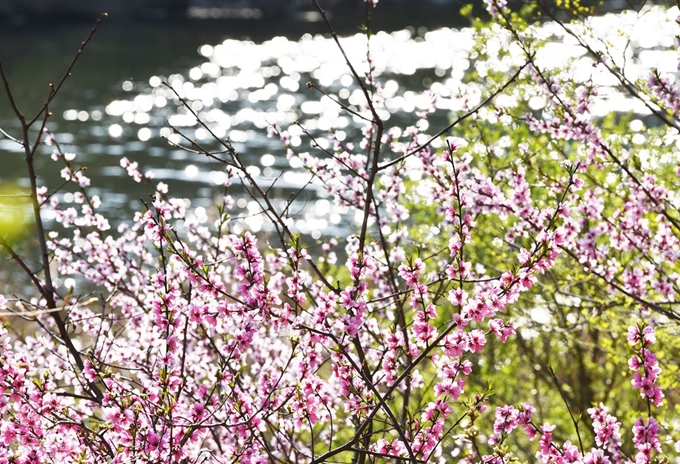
<point x="199" y="344"/>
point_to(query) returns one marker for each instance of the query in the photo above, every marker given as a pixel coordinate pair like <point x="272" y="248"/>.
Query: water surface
<point x="243" y="76"/>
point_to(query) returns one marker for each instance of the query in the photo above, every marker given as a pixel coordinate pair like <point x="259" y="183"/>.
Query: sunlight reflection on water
<point x="243" y="87"/>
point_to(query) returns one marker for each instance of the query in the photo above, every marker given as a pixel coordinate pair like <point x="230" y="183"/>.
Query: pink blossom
<point x="476" y="341"/>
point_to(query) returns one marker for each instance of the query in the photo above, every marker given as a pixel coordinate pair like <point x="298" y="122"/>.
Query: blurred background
<point x="220" y="54"/>
<point x="242" y="65"/>
<point x="144" y="42"/>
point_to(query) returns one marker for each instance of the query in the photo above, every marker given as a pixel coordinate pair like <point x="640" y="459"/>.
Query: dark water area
<point x="37" y="52"/>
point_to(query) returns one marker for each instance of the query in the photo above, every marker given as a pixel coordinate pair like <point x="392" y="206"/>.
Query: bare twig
<point x="458" y="120"/>
<point x="54" y="89"/>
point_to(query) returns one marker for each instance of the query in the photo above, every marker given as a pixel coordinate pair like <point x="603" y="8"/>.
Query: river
<point x="241" y="75"/>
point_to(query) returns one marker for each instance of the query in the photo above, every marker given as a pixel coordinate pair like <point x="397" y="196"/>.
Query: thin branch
<point x="55" y="89"/>
<point x="459" y="119"/>
<point x="9" y="136"/>
<point x="574" y="420"/>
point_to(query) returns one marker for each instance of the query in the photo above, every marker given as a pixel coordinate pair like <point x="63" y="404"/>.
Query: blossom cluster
<point x="187" y="341"/>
